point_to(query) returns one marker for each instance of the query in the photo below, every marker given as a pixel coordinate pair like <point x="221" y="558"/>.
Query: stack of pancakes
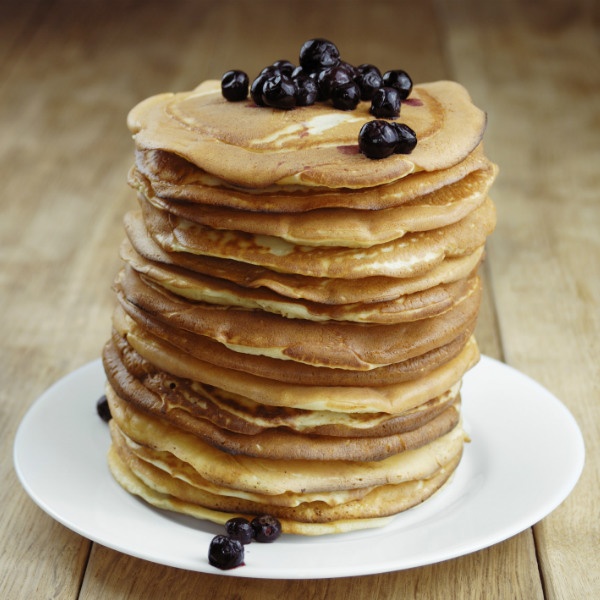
<point x="293" y="318"/>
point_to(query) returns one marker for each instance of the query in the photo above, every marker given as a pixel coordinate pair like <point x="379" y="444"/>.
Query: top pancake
<point x="310" y="146"/>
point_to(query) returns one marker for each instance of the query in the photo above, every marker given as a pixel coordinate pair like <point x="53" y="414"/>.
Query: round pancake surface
<point x="316" y="145"/>
<point x="278" y="476"/>
<point x="202" y="288"/>
<point x="128" y="394"/>
<point x="240" y="414"/>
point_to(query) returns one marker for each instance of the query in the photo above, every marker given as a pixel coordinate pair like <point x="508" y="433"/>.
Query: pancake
<point x="171" y="176"/>
<point x="279" y="476"/>
<point x="166" y="393"/>
<point x="293" y="371"/>
<point x="392" y="398"/>
<point x="202" y="288"/>
<point x="340" y="226"/>
<point x="410" y="255"/>
<point x="332" y="344"/>
<point x="319" y="290"/>
<point x="128" y="396"/>
<point x="167" y="487"/>
<point x="317" y="145"/>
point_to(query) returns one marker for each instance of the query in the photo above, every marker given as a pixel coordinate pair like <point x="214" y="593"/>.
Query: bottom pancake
<point x="165" y="486"/>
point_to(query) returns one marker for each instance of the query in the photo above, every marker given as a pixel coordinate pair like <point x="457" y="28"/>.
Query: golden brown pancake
<point x="333" y="344"/>
<point x="241" y="414"/>
<point x="315" y="289"/>
<point x="294" y="319"/>
<point x="395" y="398"/>
<point x="279" y="476"/>
<point x="317" y="145"/>
<point x="128" y="395"/>
<point x="347" y="227"/>
<point x="201" y="288"/>
<point x="171" y="176"/>
<point x="293" y="371"/>
<point x="171" y="486"/>
<point x="410" y="255"/>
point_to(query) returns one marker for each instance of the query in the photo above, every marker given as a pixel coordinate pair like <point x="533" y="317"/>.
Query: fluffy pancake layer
<point x="293" y="319"/>
<point x="314" y="146"/>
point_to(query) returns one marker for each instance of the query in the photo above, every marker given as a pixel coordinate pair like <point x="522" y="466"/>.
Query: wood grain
<point x="69" y="73"/>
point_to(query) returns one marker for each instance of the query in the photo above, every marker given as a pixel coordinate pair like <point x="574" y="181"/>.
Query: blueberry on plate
<point x="266" y="528"/>
<point x="103" y="409"/>
<point x="225" y="552"/>
<point x="240" y="529"/>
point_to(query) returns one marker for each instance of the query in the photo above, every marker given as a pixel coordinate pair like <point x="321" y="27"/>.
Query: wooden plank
<point x="535" y="68"/>
<point x="495" y="573"/>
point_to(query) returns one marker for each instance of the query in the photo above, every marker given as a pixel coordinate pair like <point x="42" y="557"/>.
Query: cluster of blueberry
<point x="322" y="76"/>
<point x="227" y="551"/>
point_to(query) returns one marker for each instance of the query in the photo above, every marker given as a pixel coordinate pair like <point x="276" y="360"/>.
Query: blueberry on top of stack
<point x="323" y="76"/>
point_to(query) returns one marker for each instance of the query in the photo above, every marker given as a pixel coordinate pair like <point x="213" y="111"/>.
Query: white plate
<point x="525" y="457"/>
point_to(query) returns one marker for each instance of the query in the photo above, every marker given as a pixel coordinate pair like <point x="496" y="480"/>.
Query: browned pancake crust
<point x="167" y="175"/>
<point x="281" y="147"/>
<point x="379" y="502"/>
<point x="240" y="414"/>
<point x="332" y="344"/>
<point x="321" y="290"/>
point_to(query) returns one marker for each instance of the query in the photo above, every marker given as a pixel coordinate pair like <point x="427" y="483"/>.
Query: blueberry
<point x="377" y="139"/>
<point x="234" y="85"/>
<point x="298" y="71"/>
<point x="266" y="528"/>
<point x="240" y="529"/>
<point x="350" y="69"/>
<point x="400" y="80"/>
<point x="271" y="70"/>
<point x="346" y="96"/>
<point x="307" y="90"/>
<point x="318" y="54"/>
<point x="369" y="81"/>
<point x="407" y="138"/>
<point x="103" y="409"/>
<point x="256" y="89"/>
<point x="367" y="68"/>
<point x="225" y="553"/>
<point x="278" y="91"/>
<point x="330" y="78"/>
<point x="385" y="103"/>
<point x="285" y="66"/>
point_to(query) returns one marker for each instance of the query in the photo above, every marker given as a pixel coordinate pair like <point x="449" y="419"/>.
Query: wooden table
<point x="70" y="71"/>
